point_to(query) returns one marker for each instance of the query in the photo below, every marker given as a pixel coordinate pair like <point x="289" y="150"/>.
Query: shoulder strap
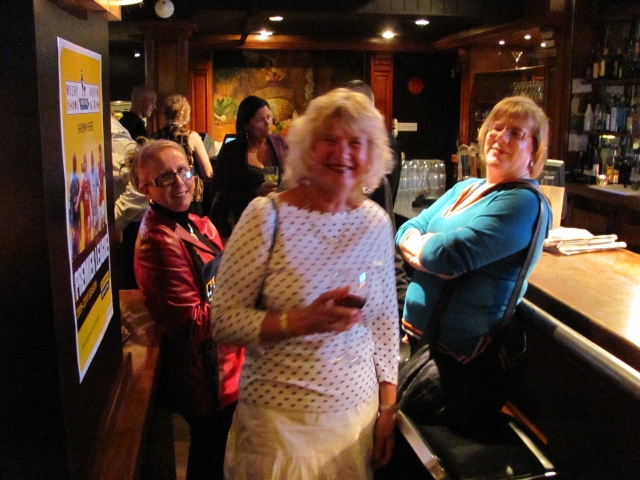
<point x="275" y="229"/>
<point x="433" y="326"/>
<point x="273" y="242"/>
<point x="511" y="306"/>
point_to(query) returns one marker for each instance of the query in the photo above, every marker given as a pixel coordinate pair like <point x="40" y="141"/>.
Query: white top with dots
<point x="310" y="247"/>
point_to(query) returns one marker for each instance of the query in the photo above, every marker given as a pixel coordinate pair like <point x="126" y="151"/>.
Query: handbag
<point x="436" y="387"/>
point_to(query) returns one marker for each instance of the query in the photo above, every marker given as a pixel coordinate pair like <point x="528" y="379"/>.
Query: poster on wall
<point x="81" y="110"/>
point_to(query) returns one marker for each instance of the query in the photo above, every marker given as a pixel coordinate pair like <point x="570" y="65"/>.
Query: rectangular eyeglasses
<point x="168" y="178"/>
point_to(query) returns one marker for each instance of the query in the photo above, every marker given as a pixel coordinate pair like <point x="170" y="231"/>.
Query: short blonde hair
<point x="351" y="110"/>
<point x="176" y="108"/>
<point x="521" y="108"/>
<point x="144" y="155"/>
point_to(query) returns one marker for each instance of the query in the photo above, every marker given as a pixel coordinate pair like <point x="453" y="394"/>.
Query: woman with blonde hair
<point x="470" y="247"/>
<point x="318" y="390"/>
<point x="177" y="113"/>
<point x="175" y="263"/>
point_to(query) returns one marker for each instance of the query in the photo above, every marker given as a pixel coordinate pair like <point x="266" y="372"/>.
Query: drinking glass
<point x="359" y="286"/>
<point x="516" y="55"/>
<point x="270" y="173"/>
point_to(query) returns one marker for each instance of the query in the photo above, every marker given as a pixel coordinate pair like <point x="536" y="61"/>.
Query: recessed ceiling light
<point x="265" y="33"/>
<point x="388" y="34"/>
<point x="501" y="42"/>
<point x="543" y="44"/>
<point x="276" y="18"/>
<point x="527" y="37"/>
<point x="136" y="54"/>
<point x="422" y="22"/>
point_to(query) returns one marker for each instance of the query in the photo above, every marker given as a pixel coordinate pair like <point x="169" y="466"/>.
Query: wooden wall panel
<point x="201" y="95"/>
<point x="382" y="84"/>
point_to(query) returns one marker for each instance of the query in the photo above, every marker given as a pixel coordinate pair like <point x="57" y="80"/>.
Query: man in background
<point x="143" y="103"/>
<point x="130" y="205"/>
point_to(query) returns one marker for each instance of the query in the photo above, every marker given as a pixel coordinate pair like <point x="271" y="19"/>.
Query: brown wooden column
<point x="201" y="93"/>
<point x="382" y="84"/>
<point x="167" y="61"/>
<point x="465" y="95"/>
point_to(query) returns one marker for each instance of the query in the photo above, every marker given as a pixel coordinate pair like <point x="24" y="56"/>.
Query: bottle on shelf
<point x="595" y="63"/>
<point x="598" y="118"/>
<point x="588" y="119"/>
<point x="613" y="115"/>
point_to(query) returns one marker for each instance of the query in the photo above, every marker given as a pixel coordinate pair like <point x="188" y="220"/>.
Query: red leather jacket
<point x="166" y="274"/>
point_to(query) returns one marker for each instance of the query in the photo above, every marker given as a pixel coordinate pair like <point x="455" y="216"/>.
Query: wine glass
<point x="359" y="286"/>
<point x="516" y="55"/>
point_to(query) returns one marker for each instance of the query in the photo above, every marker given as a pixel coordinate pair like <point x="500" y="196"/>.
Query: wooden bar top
<point x="596" y="294"/>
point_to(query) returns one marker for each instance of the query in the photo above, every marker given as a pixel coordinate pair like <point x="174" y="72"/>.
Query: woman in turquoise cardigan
<point x="478" y="233"/>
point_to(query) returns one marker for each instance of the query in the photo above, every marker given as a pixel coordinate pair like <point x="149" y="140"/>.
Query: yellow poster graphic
<point x="81" y="112"/>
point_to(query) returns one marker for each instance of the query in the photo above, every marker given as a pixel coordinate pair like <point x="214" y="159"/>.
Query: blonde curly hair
<point x="354" y="112"/>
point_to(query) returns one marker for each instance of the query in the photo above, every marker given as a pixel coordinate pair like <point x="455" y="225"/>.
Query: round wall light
<point x="164" y="8"/>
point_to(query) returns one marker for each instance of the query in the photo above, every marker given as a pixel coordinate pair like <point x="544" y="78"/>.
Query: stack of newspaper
<point x="570" y="241"/>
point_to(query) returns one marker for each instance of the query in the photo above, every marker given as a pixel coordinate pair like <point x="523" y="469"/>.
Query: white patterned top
<point x="310" y="247"/>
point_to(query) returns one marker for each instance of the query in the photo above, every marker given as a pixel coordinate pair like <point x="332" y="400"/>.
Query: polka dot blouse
<point x="325" y="372"/>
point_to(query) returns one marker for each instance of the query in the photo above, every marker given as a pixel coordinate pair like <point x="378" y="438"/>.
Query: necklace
<point x="258" y="149"/>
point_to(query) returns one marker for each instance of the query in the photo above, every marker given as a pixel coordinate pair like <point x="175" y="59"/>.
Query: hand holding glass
<point x="356" y="298"/>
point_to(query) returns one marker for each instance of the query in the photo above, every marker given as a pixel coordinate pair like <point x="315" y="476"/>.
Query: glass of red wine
<point x="356" y="298"/>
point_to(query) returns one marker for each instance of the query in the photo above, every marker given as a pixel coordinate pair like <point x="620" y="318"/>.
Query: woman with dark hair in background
<point x="239" y="168"/>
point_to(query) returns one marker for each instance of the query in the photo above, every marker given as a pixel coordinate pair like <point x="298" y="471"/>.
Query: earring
<point x="151" y="202"/>
<point x="366" y="190"/>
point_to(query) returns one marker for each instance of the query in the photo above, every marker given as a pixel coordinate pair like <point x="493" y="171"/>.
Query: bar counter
<point x="596" y="294"/>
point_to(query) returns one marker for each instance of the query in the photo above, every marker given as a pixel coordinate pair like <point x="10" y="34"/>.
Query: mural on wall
<point x="288" y="80"/>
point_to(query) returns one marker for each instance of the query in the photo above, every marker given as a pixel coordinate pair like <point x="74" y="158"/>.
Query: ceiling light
<point x="276" y="18"/>
<point x="164" y="8"/>
<point x="543" y="44"/>
<point x="422" y="22"/>
<point x="527" y="37"/>
<point x="501" y="42"/>
<point x="136" y="54"/>
<point x="388" y="34"/>
<point x="265" y="33"/>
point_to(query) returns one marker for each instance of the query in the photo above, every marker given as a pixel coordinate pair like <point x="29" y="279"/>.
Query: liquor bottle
<point x="628" y="128"/>
<point x="588" y="119"/>
<point x="597" y="118"/>
<point x="606" y="115"/>
<point x="621" y="122"/>
<point x="636" y="51"/>
<point x="613" y="115"/>
<point x="595" y="62"/>
<point x="603" y="72"/>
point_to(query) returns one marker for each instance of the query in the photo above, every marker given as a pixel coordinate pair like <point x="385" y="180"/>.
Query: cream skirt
<point x="273" y="444"/>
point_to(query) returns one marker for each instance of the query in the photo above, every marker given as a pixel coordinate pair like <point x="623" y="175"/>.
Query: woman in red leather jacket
<point x="175" y="265"/>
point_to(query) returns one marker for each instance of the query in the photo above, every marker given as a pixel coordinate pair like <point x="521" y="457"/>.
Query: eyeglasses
<point x="511" y="133"/>
<point x="167" y="179"/>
